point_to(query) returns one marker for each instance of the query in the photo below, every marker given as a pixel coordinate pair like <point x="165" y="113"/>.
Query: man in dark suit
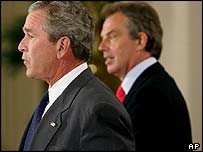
<point x="79" y="112"/>
<point x="131" y="45"/>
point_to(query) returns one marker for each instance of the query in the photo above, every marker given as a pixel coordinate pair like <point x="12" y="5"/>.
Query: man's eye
<point x="30" y="36"/>
<point x="112" y="36"/>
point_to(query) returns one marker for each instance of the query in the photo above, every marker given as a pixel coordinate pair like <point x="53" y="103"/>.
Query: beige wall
<point x="19" y="96"/>
<point x="181" y="56"/>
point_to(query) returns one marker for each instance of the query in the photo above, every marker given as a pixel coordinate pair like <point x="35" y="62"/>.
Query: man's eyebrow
<point x="26" y="29"/>
<point x="109" y="33"/>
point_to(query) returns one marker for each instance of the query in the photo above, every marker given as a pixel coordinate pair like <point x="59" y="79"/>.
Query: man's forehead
<point x="110" y="25"/>
<point x="35" y="19"/>
<point x="36" y="16"/>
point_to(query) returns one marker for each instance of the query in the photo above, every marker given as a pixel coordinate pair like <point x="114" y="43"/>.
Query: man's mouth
<point x="108" y="60"/>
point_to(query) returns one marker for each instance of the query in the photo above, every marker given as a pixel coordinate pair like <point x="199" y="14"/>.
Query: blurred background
<point x="181" y="57"/>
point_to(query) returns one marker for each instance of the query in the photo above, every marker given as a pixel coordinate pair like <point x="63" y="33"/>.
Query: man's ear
<point x="142" y="40"/>
<point x="62" y="46"/>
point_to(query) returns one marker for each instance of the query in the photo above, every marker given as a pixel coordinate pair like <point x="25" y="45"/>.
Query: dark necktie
<point x="35" y="119"/>
<point x="120" y="94"/>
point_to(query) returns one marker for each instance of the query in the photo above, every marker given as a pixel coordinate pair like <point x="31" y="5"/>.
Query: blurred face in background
<point x="119" y="50"/>
<point x="39" y="54"/>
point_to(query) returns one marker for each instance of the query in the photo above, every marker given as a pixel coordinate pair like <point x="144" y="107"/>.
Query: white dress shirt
<point x="135" y="72"/>
<point x="56" y="90"/>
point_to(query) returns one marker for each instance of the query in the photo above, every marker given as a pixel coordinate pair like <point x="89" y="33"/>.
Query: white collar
<point x="135" y="72"/>
<point x="56" y="90"/>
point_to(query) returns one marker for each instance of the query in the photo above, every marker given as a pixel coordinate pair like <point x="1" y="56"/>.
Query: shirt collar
<point x="56" y="90"/>
<point x="63" y="82"/>
<point x="135" y="72"/>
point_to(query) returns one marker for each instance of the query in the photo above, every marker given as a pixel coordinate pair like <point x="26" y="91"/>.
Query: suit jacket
<point x="158" y="111"/>
<point x="87" y="116"/>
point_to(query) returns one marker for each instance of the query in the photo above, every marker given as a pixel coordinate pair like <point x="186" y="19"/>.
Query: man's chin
<point x="110" y="70"/>
<point x="29" y="75"/>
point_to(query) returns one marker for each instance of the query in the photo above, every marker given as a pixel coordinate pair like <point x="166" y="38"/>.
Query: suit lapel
<point x="51" y="121"/>
<point x="148" y="73"/>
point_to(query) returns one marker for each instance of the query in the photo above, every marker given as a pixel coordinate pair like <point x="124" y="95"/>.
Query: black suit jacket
<point x="87" y="116"/>
<point x="159" y="113"/>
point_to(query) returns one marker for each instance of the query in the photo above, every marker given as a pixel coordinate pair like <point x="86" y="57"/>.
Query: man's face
<point x="117" y="46"/>
<point x="39" y="54"/>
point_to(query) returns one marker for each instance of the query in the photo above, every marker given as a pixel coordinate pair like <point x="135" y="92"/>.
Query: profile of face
<point x="117" y="46"/>
<point x="39" y="54"/>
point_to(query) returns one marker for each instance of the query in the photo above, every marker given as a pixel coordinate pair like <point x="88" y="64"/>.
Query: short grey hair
<point x="71" y="19"/>
<point x="141" y="17"/>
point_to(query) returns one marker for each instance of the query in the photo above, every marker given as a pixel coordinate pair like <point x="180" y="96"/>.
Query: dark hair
<point x="69" y="18"/>
<point x="141" y="17"/>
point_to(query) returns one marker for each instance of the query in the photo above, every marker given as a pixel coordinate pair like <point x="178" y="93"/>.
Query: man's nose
<point x="21" y="46"/>
<point x="102" y="46"/>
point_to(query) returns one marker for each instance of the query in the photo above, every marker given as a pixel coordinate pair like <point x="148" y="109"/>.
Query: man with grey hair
<point x="131" y="45"/>
<point x="78" y="112"/>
